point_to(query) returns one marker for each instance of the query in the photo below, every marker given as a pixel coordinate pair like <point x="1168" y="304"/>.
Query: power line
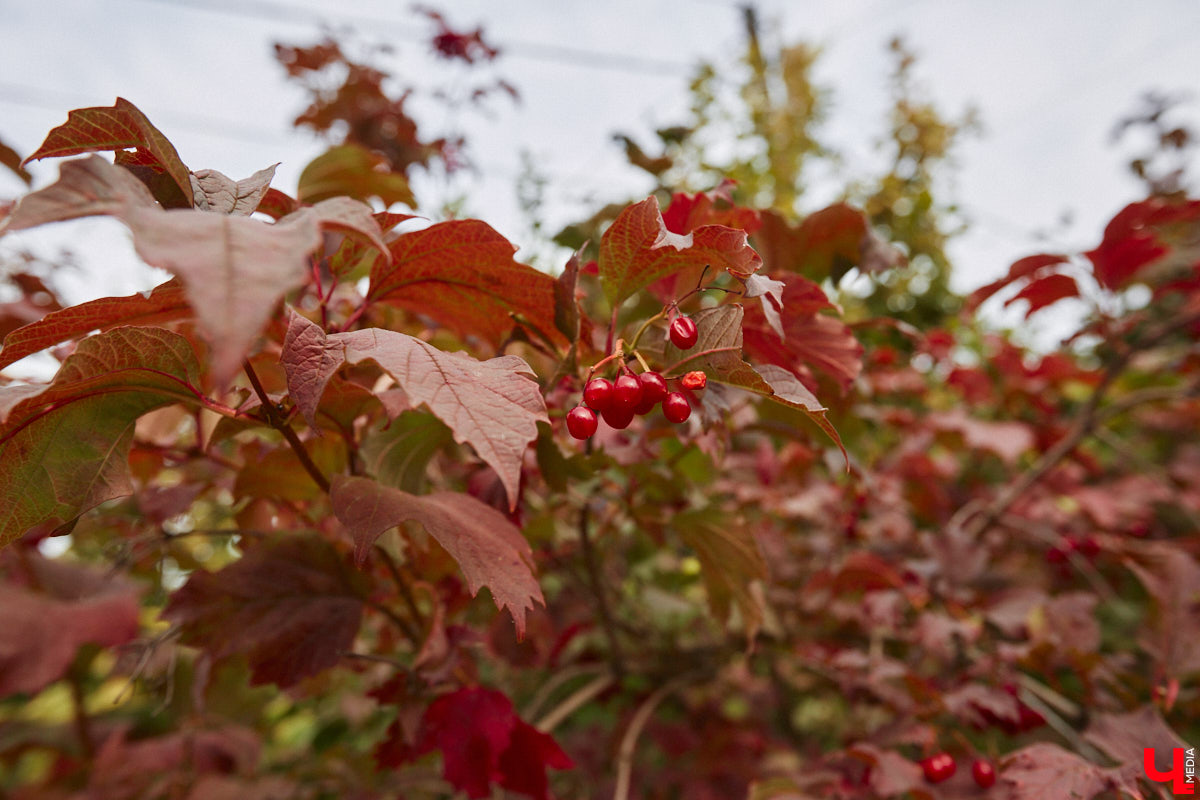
<point x="277" y="12"/>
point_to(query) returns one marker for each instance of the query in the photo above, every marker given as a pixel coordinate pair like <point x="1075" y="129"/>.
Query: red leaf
<point x="826" y="244"/>
<point x="1045" y="291"/>
<point x="1022" y="268"/>
<point x="1172" y="577"/>
<point x="483" y="740"/>
<point x="638" y="249"/>
<point x="891" y="774"/>
<point x="117" y="127"/>
<point x="215" y="192"/>
<point x="353" y="217"/>
<point x="462" y="273"/>
<point x="491" y="405"/>
<point x="1009" y="440"/>
<point x="1124" y="737"/>
<point x="10" y="159"/>
<point x="813" y="339"/>
<point x="770" y="293"/>
<point x="1139" y="235"/>
<point x="687" y="212"/>
<point x="166" y="302"/>
<point x="291" y="606"/>
<point x="40" y="631"/>
<point x="488" y="548"/>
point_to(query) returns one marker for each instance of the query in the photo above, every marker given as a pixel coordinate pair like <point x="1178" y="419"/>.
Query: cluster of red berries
<point x="941" y="767"/>
<point x="618" y="402"/>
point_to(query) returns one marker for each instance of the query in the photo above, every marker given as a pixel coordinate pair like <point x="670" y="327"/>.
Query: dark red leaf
<point x="1041" y="771"/>
<point x="291" y="606"/>
<point x="482" y="741"/>
<point x="1022" y="268"/>
<point x="825" y="244"/>
<point x="12" y="160"/>
<point x="1045" y="291"/>
<point x="489" y="549"/>
<point x="687" y="212"/>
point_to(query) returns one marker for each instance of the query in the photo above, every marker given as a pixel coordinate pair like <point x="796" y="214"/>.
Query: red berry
<point x="581" y="422"/>
<point x="617" y="416"/>
<point x="676" y="408"/>
<point x="694" y="380"/>
<point x="598" y="393"/>
<point x="683" y="333"/>
<point x="1088" y="547"/>
<point x="983" y="773"/>
<point x="654" y="389"/>
<point x="938" y="767"/>
<point x="627" y="392"/>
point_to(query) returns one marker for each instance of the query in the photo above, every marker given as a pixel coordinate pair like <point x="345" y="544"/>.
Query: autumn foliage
<point x="330" y="536"/>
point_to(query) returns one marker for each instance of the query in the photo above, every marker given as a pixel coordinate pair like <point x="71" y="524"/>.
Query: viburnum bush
<point x="361" y="506"/>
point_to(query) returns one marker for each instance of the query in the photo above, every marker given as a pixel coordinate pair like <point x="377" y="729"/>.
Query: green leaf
<point x="729" y="562"/>
<point x="351" y="170"/>
<point x="399" y="454"/>
<point x="64" y="448"/>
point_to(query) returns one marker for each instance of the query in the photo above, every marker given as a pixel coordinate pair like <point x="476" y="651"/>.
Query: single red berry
<point x="581" y="422"/>
<point x="676" y="407"/>
<point x="1056" y="555"/>
<point x="617" y="416"/>
<point x="984" y="773"/>
<point x="654" y="389"/>
<point x="694" y="380"/>
<point x="1088" y="546"/>
<point x="598" y="393"/>
<point x="938" y="767"/>
<point x="683" y="333"/>
<point x="627" y="392"/>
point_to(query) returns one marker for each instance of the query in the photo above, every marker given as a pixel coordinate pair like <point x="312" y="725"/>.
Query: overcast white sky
<point x="1049" y="78"/>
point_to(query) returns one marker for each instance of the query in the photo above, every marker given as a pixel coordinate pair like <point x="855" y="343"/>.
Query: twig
<point x="375" y="659"/>
<point x="276" y="421"/>
<point x="573" y="701"/>
<point x="405" y="592"/>
<point x="629" y="740"/>
<point x="593" y="570"/>
<point x="559" y="678"/>
<point x="401" y="622"/>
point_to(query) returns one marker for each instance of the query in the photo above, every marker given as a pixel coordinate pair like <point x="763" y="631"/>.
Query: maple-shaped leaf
<point x="278" y="473"/>
<point x="638" y="249"/>
<point x="1046" y="770"/>
<point x="1007" y="439"/>
<point x="462" y="274"/>
<point x="1028" y="267"/>
<point x="41" y="630"/>
<point x="489" y="549"/>
<point x="718" y="353"/>
<point x="687" y="212"/>
<point x="86" y="187"/>
<point x="165" y="303"/>
<point x="213" y="191"/>
<point x="291" y="605"/>
<point x="354" y="217"/>
<point x="234" y="268"/>
<point x="64" y="447"/>
<point x="126" y="769"/>
<point x="117" y="127"/>
<point x="482" y="740"/>
<point x="826" y="244"/>
<point x="351" y="170"/>
<point x="891" y="774"/>
<point x="492" y="405"/>
<point x="729" y="562"/>
<point x="814" y="340"/>
<point x="353" y="259"/>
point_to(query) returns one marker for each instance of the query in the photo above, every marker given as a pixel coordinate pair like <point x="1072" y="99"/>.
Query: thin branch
<point x="276" y="421"/>
<point x="400" y="622"/>
<point x="375" y="659"/>
<point x="593" y="570"/>
<point x="559" y="678"/>
<point x="401" y="585"/>
<point x="573" y="701"/>
<point x="629" y="740"/>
